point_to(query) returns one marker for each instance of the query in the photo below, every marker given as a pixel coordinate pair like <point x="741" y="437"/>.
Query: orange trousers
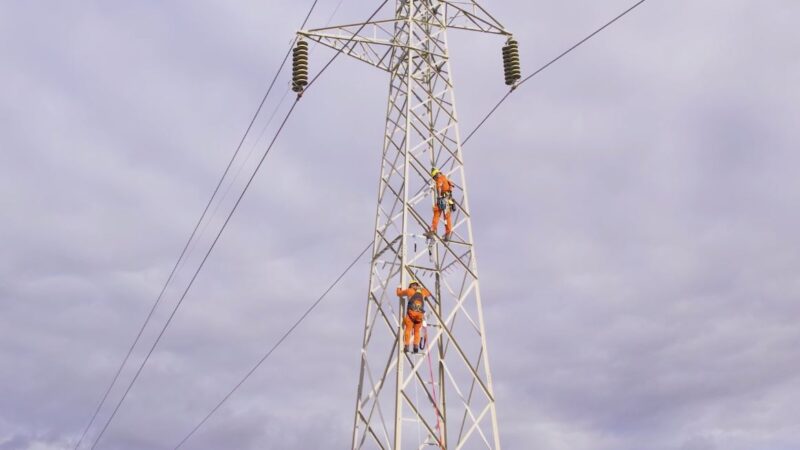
<point x="413" y="320"/>
<point x="448" y="225"/>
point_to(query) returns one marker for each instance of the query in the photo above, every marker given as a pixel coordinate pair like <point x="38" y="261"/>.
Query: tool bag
<point x="444" y="201"/>
<point x="441" y="203"/>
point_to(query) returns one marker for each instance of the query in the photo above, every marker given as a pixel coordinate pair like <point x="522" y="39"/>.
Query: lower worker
<point x="415" y="312"/>
<point x="444" y="204"/>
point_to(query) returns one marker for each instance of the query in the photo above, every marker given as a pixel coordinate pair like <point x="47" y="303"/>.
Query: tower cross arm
<point x="368" y="51"/>
<point x="369" y="42"/>
<point x="470" y="16"/>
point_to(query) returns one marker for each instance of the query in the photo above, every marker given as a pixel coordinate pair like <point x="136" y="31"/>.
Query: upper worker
<point x="415" y="312"/>
<point x="444" y="203"/>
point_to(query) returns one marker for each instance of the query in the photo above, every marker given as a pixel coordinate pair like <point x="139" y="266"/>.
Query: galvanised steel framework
<point x="443" y="396"/>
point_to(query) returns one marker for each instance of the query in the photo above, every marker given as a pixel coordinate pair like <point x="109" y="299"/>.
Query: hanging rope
<point x="435" y="397"/>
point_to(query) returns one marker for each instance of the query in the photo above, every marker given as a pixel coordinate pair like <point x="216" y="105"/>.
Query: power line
<point x="188" y="243"/>
<point x="250" y="154"/>
<point x="252" y="121"/>
<point x="186" y="246"/>
<point x="191" y="236"/>
<point x="263" y="128"/>
<point x="274" y="347"/>
<point x="194" y="277"/>
<point x="553" y="61"/>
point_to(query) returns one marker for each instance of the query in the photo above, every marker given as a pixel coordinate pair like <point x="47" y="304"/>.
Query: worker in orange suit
<point x="415" y="312"/>
<point x="444" y="204"/>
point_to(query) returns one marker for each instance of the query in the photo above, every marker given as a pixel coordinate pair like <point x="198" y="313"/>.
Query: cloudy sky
<point x="635" y="212"/>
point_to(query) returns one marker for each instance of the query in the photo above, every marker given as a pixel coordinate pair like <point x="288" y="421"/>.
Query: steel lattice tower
<point x="443" y="396"/>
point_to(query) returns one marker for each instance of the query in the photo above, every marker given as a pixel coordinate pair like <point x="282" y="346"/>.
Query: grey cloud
<point x="635" y="215"/>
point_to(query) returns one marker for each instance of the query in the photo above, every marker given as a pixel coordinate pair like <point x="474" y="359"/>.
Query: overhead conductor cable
<point x="188" y="243"/>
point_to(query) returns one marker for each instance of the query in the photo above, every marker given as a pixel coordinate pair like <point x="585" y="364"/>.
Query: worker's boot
<point x="447" y="236"/>
<point x="430" y="234"/>
<point x="416" y="349"/>
<point x="405" y="349"/>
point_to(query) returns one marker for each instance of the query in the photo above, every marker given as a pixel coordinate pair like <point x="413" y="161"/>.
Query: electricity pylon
<point x="443" y="396"/>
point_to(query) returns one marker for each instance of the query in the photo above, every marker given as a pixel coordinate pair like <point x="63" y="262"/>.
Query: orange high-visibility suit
<point x="415" y="312"/>
<point x="443" y="189"/>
